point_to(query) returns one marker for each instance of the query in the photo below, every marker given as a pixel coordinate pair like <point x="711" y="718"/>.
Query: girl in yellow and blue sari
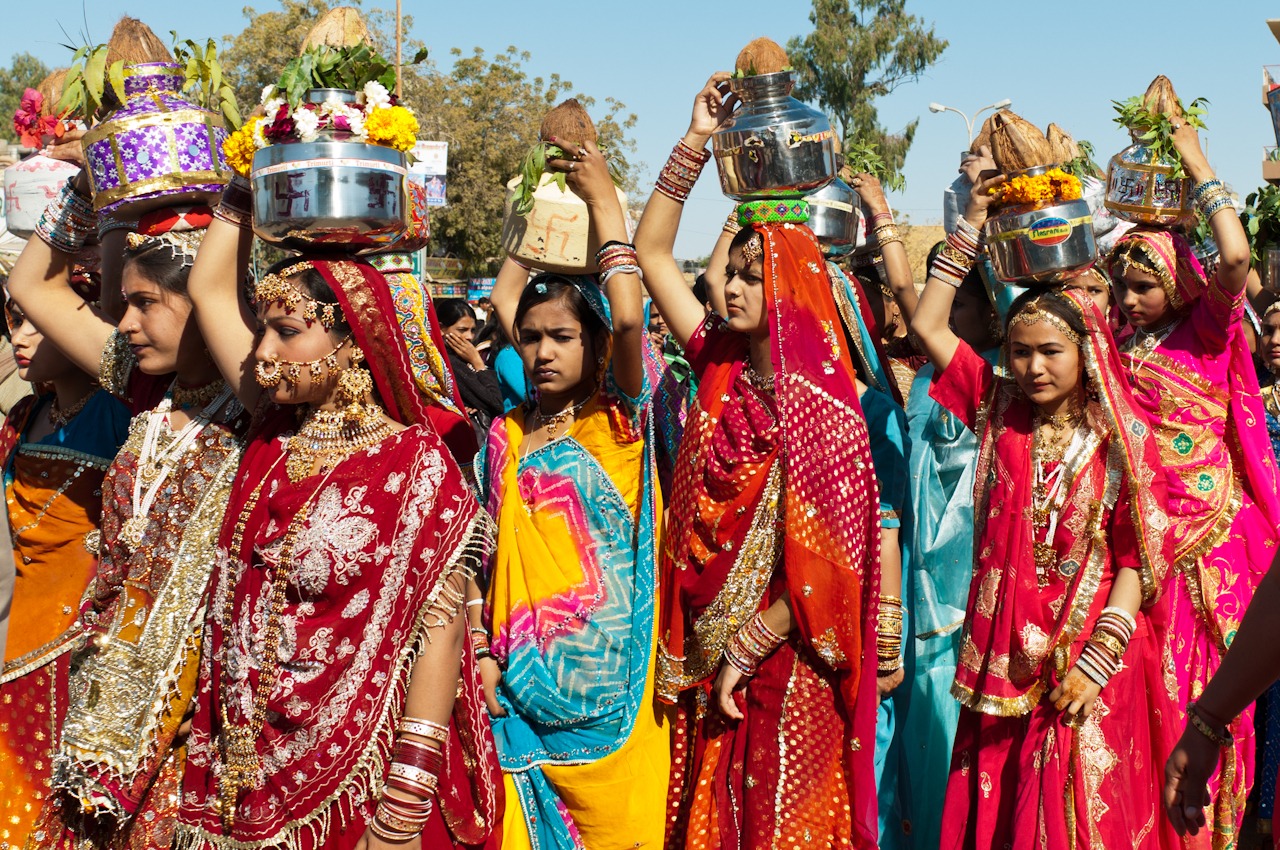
<point x="567" y="634"/>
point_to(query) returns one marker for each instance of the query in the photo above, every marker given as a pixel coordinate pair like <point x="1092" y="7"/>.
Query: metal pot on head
<point x="331" y="193"/>
<point x="1141" y="189"/>
<point x="774" y="146"/>
<point x="1041" y="243"/>
<point x="835" y="217"/>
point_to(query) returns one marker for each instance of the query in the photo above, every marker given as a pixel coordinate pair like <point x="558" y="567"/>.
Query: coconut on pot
<point x="340" y="27"/>
<point x="545" y="225"/>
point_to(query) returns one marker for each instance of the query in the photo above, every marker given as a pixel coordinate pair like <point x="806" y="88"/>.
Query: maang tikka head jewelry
<point x="276" y="289"/>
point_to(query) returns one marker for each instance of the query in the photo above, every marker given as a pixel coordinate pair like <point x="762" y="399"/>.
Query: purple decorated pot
<point x="156" y="150"/>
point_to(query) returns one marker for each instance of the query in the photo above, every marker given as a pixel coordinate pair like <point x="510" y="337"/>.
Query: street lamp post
<point x="938" y="107"/>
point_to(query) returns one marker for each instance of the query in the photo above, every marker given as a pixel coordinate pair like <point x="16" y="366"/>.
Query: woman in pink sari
<point x="1190" y="366"/>
<point x="1069" y="715"/>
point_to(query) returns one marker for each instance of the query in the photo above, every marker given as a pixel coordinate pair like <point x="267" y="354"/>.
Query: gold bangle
<point x="1222" y="739"/>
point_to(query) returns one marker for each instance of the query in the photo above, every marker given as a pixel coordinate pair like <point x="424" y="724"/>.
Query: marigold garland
<point x="240" y="147"/>
<point x="1054" y="185"/>
<point x="394" y="127"/>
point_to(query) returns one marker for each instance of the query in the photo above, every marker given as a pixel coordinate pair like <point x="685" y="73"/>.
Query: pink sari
<point x="1021" y="776"/>
<point x="1197" y="383"/>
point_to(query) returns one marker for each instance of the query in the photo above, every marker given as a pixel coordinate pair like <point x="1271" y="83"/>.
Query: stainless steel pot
<point x="1141" y="189"/>
<point x="835" y="217"/>
<point x="1041" y="243"/>
<point x="330" y="195"/>
<point x="1271" y="269"/>
<point x="774" y="146"/>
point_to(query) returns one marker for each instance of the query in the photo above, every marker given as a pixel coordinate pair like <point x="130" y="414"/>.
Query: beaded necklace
<point x="185" y="398"/>
<point x="156" y="464"/>
<point x="1049" y="485"/>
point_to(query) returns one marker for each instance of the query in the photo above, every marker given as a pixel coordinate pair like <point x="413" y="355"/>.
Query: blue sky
<point x="1063" y="63"/>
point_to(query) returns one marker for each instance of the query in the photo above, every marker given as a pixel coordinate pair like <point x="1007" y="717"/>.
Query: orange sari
<point x="54" y="494"/>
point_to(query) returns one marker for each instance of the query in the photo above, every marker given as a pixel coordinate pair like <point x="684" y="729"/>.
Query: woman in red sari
<point x="771" y="569"/>
<point x="339" y="704"/>
<point x="1069" y="713"/>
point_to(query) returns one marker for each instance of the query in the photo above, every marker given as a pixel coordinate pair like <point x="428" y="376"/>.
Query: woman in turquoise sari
<point x="887" y="427"/>
<point x="569" y="619"/>
<point x="943" y="456"/>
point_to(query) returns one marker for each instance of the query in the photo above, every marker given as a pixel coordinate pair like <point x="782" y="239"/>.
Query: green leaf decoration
<point x="866" y="158"/>
<point x="1155" y="129"/>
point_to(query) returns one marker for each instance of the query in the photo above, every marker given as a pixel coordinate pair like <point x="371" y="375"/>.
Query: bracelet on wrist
<point x="1222" y="738"/>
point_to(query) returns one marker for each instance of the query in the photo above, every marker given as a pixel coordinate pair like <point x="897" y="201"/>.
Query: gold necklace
<point x="241" y="763"/>
<point x="332" y="436"/>
<point x="554" y="420"/>
<point x="763" y="383"/>
<point x="185" y="398"/>
<point x="1271" y="401"/>
<point x="60" y="417"/>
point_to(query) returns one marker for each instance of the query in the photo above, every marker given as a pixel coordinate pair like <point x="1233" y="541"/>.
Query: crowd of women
<point x="801" y="557"/>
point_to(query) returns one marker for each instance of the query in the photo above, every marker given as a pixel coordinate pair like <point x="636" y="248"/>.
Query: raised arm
<point x="656" y="237"/>
<point x="718" y="265"/>
<point x="932" y="321"/>
<point x="40" y="283"/>
<point x="588" y="175"/>
<point x="896" y="265"/>
<point x="226" y="322"/>
<point x="1233" y="245"/>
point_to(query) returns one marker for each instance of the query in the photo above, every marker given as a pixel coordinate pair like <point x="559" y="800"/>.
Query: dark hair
<point x="700" y="290"/>
<point x="1051" y="301"/>
<point x="492" y="333"/>
<point x="313" y="284"/>
<point x="450" y="310"/>
<point x="974" y="287"/>
<point x="553" y="287"/>
<point x="162" y="264"/>
<point x="933" y="255"/>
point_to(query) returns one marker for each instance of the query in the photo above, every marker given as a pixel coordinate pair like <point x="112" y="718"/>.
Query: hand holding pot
<point x="871" y="192"/>
<point x="588" y="172"/>
<point x="983" y="174"/>
<point x="1186" y="141"/>
<point x="68" y="148"/>
<point x="712" y="109"/>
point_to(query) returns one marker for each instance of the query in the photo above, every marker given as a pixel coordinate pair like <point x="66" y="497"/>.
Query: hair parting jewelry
<point x="276" y="289"/>
<point x="1032" y="314"/>
<point x="753" y="249"/>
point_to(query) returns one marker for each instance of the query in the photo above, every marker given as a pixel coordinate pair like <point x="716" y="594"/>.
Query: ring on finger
<point x="573" y="166"/>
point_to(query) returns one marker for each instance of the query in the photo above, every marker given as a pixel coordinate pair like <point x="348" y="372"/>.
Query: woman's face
<point x="39" y="360"/>
<point x="1097" y="291"/>
<point x="163" y="336"/>
<point x="744" y="295"/>
<point x="1045" y="364"/>
<point x="285" y="337"/>
<point x="559" y="355"/>
<point x="1141" y="298"/>
<point x="466" y="326"/>
<point x="972" y="320"/>
<point x="1270" y="342"/>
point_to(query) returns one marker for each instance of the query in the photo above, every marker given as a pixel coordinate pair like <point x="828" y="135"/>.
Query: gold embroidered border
<point x="116" y="364"/>
<point x="365" y="781"/>
<point x="736" y="602"/>
<point x="998" y="706"/>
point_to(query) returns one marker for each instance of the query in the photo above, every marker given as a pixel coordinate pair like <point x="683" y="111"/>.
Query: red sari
<point x="377" y="543"/>
<point x="1021" y="776"/>
<point x="773" y="492"/>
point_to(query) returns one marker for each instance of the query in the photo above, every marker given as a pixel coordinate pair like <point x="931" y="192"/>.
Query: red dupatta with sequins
<point x="384" y="532"/>
<point x="817" y="459"/>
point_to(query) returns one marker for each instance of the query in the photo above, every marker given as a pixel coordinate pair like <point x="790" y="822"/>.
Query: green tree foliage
<point x="487" y="108"/>
<point x="489" y="111"/>
<point x="859" y="52"/>
<point x="26" y="71"/>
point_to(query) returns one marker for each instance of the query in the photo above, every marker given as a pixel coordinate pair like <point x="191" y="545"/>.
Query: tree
<point x="855" y="55"/>
<point x="490" y="111"/>
<point x="26" y="71"/>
